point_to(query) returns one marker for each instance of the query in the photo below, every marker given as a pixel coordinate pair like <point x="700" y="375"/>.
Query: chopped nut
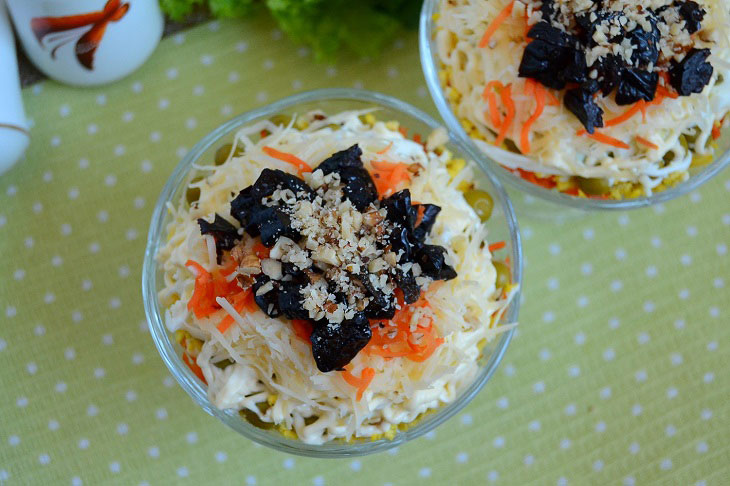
<point x="250" y="265"/>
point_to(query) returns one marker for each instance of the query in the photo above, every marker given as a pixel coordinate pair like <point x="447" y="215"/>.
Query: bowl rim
<point x="429" y="63"/>
<point x="197" y="390"/>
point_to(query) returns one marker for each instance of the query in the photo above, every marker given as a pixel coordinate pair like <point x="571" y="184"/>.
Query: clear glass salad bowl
<point x="556" y="202"/>
<point x="502" y="226"/>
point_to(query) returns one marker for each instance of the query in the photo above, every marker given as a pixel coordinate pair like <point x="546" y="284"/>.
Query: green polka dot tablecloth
<point x="618" y="373"/>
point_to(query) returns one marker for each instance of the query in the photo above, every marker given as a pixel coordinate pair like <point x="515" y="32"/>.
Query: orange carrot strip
<point x="525" y="135"/>
<point x="302" y="328"/>
<point x="647" y="142"/>
<point x="624" y="116"/>
<point x="492" y="100"/>
<point x="381" y="152"/>
<point x="509" y="104"/>
<point x="261" y="251"/>
<point x="498" y="20"/>
<point x="603" y="138"/>
<point x="360" y="383"/>
<point x="417" y="138"/>
<point x="529" y="86"/>
<point x="288" y="158"/>
<point x="194" y="367"/>
<point x="496" y="246"/>
<point x="552" y="100"/>
<point x="716" y="130"/>
<point x="238" y="302"/>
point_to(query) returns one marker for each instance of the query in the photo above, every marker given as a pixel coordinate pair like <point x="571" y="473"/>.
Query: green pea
<point x="192" y="194"/>
<point x="503" y="274"/>
<point x="280" y="119"/>
<point x="595" y="186"/>
<point x="224" y="364"/>
<point x="481" y="202"/>
<point x="310" y="420"/>
<point x="254" y="419"/>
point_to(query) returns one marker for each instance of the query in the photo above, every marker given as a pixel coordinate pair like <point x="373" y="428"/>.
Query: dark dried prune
<point x="402" y="239"/>
<point x="340" y="160"/>
<point x="430" y="212"/>
<point x="268" y="302"/>
<point x="407" y="283"/>
<point x="359" y="187"/>
<point x="646" y="50"/>
<point x="609" y="70"/>
<point x="635" y="85"/>
<point x="224" y="233"/>
<point x="544" y="31"/>
<point x="579" y="101"/>
<point x="542" y="61"/>
<point x="399" y="209"/>
<point x="270" y="223"/>
<point x="547" y="8"/>
<point x="290" y="300"/>
<point x="291" y="270"/>
<point x="249" y="199"/>
<point x="381" y="306"/>
<point x="693" y="73"/>
<point x="334" y="345"/>
<point x="692" y="14"/>
<point x="433" y="264"/>
<point x="574" y="69"/>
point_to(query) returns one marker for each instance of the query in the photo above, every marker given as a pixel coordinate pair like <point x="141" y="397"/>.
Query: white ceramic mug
<point x="13" y="125"/>
<point x="87" y="42"/>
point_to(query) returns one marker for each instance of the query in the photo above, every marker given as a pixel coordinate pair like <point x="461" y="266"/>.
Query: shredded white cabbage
<point x="555" y="147"/>
<point x="270" y="362"/>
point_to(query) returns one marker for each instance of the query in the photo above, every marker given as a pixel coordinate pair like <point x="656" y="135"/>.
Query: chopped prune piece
<point x="591" y="86"/>
<point x="547" y="8"/>
<point x="433" y="264"/>
<point x="334" y="345"/>
<point x="290" y="269"/>
<point x="268" y="302"/>
<point x="646" y="50"/>
<point x="692" y="14"/>
<point x="609" y="70"/>
<point x="224" y="233"/>
<point x="399" y="209"/>
<point x="575" y="67"/>
<point x="543" y="61"/>
<point x="401" y="239"/>
<point x="359" y="187"/>
<point x="635" y="85"/>
<point x="430" y="211"/>
<point x="544" y="31"/>
<point x="381" y="306"/>
<point x="249" y="199"/>
<point x="270" y="223"/>
<point x="290" y="300"/>
<point x="407" y="283"/>
<point x="580" y="102"/>
<point x="693" y="73"/>
<point x="340" y="160"/>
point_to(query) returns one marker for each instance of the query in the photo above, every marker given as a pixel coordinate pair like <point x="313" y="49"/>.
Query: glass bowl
<point x="556" y="200"/>
<point x="502" y="226"/>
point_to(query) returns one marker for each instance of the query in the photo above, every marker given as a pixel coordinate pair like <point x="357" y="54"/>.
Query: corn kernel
<point x="271" y="400"/>
<point x="454" y="166"/>
<point x="392" y="125"/>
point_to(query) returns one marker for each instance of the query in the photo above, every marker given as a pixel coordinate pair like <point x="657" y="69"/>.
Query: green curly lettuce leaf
<point x="363" y="26"/>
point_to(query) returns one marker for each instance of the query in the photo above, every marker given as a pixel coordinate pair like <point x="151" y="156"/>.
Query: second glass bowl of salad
<point x="473" y="54"/>
<point x="248" y="356"/>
